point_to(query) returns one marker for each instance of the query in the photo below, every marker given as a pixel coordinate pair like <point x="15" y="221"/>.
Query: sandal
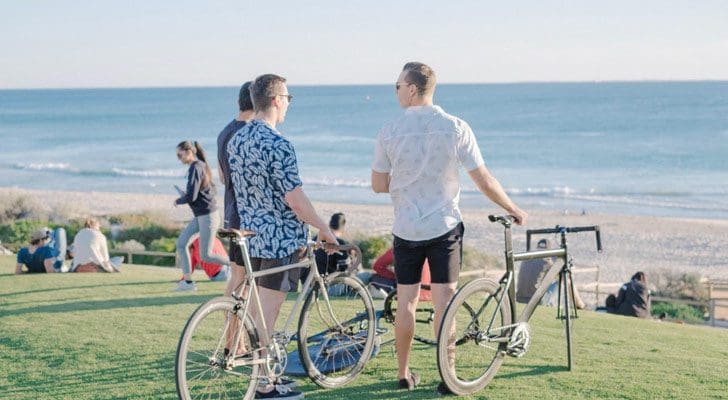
<point x="410" y="382"/>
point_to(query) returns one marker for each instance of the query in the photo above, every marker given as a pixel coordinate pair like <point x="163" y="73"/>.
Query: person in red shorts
<point x="216" y="272"/>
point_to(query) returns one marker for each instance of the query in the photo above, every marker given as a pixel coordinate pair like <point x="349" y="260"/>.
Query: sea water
<point x="636" y="148"/>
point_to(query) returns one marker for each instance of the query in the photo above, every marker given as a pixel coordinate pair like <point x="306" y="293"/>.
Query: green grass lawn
<point x="114" y="336"/>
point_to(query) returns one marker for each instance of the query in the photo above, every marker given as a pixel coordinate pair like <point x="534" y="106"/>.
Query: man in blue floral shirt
<point x="270" y="201"/>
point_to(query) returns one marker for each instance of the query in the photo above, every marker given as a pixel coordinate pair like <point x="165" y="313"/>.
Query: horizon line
<point x="524" y="82"/>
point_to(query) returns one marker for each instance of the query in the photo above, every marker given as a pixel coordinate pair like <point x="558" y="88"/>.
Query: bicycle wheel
<point x="334" y="342"/>
<point x="203" y="368"/>
<point x="424" y="318"/>
<point x="468" y="354"/>
<point x="567" y="320"/>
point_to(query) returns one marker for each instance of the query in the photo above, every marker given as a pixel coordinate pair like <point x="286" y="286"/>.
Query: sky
<point x="130" y="43"/>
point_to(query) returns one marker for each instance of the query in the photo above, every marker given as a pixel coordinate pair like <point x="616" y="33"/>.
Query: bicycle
<point x="482" y="315"/>
<point x="224" y="350"/>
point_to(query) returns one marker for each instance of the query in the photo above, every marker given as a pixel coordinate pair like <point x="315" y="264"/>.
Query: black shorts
<point x="236" y="255"/>
<point x="443" y="253"/>
<point x="286" y="281"/>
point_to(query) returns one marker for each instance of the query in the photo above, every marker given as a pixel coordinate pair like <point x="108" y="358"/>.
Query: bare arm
<point x="301" y="205"/>
<point x="380" y="182"/>
<point x="490" y="186"/>
<point x="19" y="269"/>
<point x="48" y="264"/>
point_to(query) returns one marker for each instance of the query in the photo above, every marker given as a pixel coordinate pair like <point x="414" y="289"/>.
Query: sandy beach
<point x="631" y="243"/>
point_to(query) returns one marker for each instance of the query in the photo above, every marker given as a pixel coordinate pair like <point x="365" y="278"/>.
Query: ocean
<point x="634" y="148"/>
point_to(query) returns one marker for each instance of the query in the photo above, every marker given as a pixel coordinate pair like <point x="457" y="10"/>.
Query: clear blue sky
<point x="83" y="43"/>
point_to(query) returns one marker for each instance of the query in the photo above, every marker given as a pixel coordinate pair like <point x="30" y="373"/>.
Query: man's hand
<point x="520" y="216"/>
<point x="325" y="235"/>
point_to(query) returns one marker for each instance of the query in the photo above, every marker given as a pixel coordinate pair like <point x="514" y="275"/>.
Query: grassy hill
<point x="113" y="336"/>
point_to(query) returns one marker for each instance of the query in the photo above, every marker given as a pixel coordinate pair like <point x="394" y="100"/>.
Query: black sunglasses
<point x="398" y="85"/>
<point x="289" y="96"/>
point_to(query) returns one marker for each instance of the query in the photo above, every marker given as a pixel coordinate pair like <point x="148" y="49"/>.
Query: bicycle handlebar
<point x="507" y="220"/>
<point x="565" y="229"/>
<point x="356" y="257"/>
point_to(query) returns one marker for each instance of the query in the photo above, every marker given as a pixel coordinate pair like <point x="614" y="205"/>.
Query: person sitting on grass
<point x="45" y="254"/>
<point x="633" y="299"/>
<point x="90" y="250"/>
<point x="530" y="277"/>
<point x="216" y="272"/>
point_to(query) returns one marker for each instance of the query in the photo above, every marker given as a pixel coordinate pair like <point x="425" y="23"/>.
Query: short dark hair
<point x="337" y="221"/>
<point x="244" y="101"/>
<point x="263" y="90"/>
<point x="420" y="75"/>
<point x="639" y="276"/>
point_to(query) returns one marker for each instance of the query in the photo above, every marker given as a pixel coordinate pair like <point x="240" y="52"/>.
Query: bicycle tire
<point x="422" y="316"/>
<point x="200" y="363"/>
<point x="334" y="350"/>
<point x="475" y="363"/>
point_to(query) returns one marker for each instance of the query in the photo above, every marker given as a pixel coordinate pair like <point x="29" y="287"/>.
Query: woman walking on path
<point x="200" y="195"/>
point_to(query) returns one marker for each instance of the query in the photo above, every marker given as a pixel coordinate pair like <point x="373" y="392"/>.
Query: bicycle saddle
<point x="230" y="233"/>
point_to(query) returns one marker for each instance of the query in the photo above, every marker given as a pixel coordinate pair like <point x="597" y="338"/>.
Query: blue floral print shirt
<point x="263" y="168"/>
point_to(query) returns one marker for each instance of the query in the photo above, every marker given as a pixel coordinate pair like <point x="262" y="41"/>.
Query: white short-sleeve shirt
<point x="422" y="151"/>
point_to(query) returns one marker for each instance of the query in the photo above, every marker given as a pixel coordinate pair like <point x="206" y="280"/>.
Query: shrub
<point x="168" y="244"/>
<point x="678" y="285"/>
<point x="682" y="312"/>
<point x="19" y="231"/>
<point x="372" y="247"/>
<point x="15" y="207"/>
<point x="475" y="259"/>
<point x="144" y="228"/>
<point x="129" y="245"/>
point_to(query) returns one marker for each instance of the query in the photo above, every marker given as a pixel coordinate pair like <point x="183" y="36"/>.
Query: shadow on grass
<point x="101" y="382"/>
<point x="87" y="287"/>
<point x="112" y="304"/>
<point x="532" y="370"/>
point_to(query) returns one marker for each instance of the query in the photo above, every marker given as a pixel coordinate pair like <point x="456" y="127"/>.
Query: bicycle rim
<point x="466" y="359"/>
<point x="335" y="348"/>
<point x="202" y="366"/>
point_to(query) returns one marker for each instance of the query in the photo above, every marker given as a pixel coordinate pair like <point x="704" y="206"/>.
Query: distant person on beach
<point x="90" y="250"/>
<point x="530" y="278"/>
<point x="416" y="159"/>
<point x="633" y="298"/>
<point x="230" y="212"/>
<point x="46" y="252"/>
<point x="216" y="272"/>
<point x="271" y="202"/>
<point x="200" y="196"/>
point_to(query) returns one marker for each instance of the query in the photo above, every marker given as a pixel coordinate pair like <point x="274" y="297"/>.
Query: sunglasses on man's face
<point x="288" y="96"/>
<point x="398" y="85"/>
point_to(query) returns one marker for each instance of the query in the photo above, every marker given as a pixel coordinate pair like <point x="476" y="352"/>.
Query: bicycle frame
<point x="563" y="270"/>
<point x="252" y="293"/>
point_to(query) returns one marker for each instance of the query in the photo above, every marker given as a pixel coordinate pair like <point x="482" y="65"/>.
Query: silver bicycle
<point x="480" y="325"/>
<point x="224" y="351"/>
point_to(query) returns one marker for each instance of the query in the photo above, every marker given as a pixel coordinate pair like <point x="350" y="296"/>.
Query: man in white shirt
<point x="90" y="249"/>
<point x="416" y="160"/>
